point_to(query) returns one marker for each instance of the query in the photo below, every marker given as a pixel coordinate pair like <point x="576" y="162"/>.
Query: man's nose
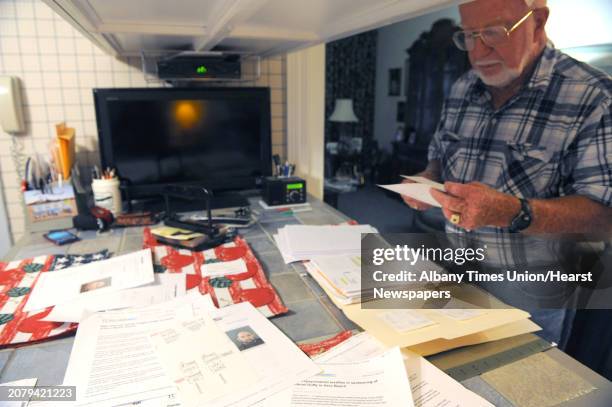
<point x="480" y="49"/>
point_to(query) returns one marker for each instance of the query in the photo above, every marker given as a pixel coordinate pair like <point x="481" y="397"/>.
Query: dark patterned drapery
<point x="350" y="72"/>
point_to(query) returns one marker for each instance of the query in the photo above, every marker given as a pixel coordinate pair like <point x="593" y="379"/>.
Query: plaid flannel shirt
<point x="552" y="139"/>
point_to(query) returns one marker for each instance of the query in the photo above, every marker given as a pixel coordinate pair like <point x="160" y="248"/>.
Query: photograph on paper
<point x="244" y="338"/>
<point x="95" y="285"/>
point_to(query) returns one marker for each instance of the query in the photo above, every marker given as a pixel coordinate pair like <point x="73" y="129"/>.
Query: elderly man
<point x="524" y="143"/>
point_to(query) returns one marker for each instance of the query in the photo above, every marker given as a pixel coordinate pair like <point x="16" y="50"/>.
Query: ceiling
<point x="260" y="27"/>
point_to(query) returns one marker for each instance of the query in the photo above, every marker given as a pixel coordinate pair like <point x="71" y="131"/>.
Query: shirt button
<point x="482" y="156"/>
<point x="493" y="121"/>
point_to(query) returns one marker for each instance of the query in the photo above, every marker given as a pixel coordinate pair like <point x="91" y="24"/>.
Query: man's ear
<point x="540" y="16"/>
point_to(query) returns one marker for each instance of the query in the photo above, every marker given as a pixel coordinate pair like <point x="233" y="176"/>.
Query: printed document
<point x="202" y="361"/>
<point x="224" y="268"/>
<point x="166" y="287"/>
<point x="113" y="361"/>
<point x="75" y="283"/>
<point x="430" y="386"/>
<point x="277" y="361"/>
<point x="377" y="381"/>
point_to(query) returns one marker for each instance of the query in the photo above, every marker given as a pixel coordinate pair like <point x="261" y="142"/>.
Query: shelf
<point x="249" y="64"/>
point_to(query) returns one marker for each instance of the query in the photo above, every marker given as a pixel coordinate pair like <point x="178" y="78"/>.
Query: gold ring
<point x="455" y="218"/>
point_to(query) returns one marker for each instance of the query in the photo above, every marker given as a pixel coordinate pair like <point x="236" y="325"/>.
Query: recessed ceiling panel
<point x="191" y="12"/>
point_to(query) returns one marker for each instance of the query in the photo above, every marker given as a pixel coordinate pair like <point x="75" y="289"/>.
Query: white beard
<point x="501" y="79"/>
<point x="505" y="76"/>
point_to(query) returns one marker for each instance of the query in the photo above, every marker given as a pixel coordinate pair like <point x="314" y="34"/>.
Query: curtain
<point x="350" y="72"/>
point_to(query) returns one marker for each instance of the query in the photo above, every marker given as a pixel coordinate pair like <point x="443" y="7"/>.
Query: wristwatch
<point x="523" y="219"/>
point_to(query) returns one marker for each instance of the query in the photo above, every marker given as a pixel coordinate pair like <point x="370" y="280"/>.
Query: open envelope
<point x="419" y="190"/>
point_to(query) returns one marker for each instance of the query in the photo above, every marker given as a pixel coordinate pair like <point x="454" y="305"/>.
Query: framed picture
<point x="395" y="81"/>
<point x="401" y="107"/>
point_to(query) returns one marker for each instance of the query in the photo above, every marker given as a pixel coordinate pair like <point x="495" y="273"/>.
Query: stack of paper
<point x="115" y="283"/>
<point x="430" y="386"/>
<point x="380" y="380"/>
<point x="340" y="277"/>
<point x="303" y="242"/>
<point x="426" y="331"/>
<point x="183" y="351"/>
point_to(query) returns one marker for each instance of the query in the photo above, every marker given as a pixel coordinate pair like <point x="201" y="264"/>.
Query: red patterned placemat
<point x="314" y="349"/>
<point x="17" y="279"/>
<point x="252" y="286"/>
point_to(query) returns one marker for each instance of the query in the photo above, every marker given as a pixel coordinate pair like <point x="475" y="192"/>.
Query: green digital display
<point x="201" y="69"/>
<point x="297" y="185"/>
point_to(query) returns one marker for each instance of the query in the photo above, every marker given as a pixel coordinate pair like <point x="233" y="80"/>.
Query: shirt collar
<point x="539" y="80"/>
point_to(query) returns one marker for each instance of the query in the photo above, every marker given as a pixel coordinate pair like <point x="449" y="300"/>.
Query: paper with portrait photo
<point x="201" y="361"/>
<point x="166" y="287"/>
<point x="104" y="276"/>
<point x="277" y="361"/>
<point x="113" y="361"/>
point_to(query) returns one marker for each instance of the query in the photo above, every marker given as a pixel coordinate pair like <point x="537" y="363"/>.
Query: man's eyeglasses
<point x="491" y="36"/>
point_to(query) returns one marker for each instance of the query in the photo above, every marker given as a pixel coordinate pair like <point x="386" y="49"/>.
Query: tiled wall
<point x="58" y="68"/>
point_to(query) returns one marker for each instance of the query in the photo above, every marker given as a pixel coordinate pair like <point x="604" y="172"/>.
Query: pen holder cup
<point x="107" y="195"/>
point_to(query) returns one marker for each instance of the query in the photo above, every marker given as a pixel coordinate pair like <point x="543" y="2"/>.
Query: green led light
<point x="201" y="69"/>
<point x="295" y="186"/>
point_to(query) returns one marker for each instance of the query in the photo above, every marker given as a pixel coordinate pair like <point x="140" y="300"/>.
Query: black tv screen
<point x="218" y="138"/>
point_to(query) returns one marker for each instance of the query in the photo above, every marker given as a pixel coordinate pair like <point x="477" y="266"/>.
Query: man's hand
<point x="477" y="205"/>
<point x="413" y="203"/>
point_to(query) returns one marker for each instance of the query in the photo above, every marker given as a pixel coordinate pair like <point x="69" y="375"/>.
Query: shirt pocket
<point x="452" y="155"/>
<point x="530" y="170"/>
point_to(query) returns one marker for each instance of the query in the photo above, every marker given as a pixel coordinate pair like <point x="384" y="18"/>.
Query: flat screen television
<point x="218" y="138"/>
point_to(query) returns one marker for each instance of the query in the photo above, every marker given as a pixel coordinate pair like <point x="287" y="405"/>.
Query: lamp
<point x="343" y="112"/>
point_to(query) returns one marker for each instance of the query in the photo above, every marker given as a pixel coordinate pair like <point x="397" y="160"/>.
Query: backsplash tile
<point x="58" y="68"/>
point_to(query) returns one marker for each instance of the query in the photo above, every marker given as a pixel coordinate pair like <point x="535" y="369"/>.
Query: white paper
<point x="202" y="361"/>
<point x="461" y="314"/>
<point x="342" y="272"/>
<point x="104" y="276"/>
<point x="336" y="296"/>
<point x="378" y="381"/>
<point x="166" y="287"/>
<point x="223" y="268"/>
<point x="404" y="320"/>
<point x="113" y="361"/>
<point x="303" y="242"/>
<point x="278" y="362"/>
<point x="430" y="386"/>
<point x="23" y="382"/>
<point x="282" y="246"/>
<point x="356" y="348"/>
<point x="423" y="180"/>
<point x="420" y="192"/>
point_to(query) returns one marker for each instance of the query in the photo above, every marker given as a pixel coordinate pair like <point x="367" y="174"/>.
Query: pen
<point x="26" y="183"/>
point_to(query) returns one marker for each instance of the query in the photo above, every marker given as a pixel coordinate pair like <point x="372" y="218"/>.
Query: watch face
<point x="523" y="219"/>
